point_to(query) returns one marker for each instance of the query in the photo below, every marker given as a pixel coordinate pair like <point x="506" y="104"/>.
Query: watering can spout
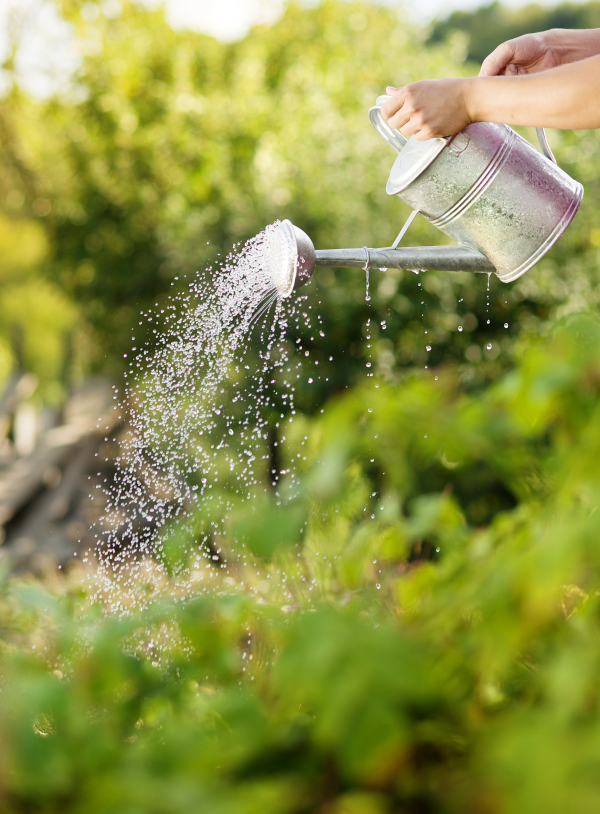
<point x="290" y="258"/>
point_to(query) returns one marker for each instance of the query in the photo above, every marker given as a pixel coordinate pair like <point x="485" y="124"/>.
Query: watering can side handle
<point x="541" y="134"/>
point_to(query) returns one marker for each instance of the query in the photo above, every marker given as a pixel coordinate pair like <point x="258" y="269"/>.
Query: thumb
<point x="390" y="89"/>
<point x="498" y="60"/>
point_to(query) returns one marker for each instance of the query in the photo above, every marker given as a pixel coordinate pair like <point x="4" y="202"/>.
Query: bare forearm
<point x="572" y="45"/>
<point x="566" y="97"/>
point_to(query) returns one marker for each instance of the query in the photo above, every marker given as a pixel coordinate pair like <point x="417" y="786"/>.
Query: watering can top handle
<point x="396" y="140"/>
<point x="393" y="137"/>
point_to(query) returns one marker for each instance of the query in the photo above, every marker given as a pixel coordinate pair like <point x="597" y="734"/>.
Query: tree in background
<point x="169" y="147"/>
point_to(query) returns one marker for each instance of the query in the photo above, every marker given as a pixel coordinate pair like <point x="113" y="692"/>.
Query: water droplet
<point x="488" y="346"/>
<point x="460" y="327"/>
<point x="427" y="347"/>
<point x="506" y="324"/>
<point x="183" y="424"/>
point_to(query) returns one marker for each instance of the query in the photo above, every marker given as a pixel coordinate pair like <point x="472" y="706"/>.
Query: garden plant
<point x="414" y="626"/>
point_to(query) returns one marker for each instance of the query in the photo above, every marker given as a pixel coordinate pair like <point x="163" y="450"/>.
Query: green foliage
<point x="38" y="322"/>
<point x="417" y="661"/>
<point x="265" y="527"/>
<point x="409" y="626"/>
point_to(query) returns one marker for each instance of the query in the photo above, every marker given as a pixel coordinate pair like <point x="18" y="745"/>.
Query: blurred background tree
<point x="168" y="147"/>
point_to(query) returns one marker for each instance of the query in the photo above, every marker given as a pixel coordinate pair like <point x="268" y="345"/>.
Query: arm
<point x="565" y="97"/>
<point x="539" y="52"/>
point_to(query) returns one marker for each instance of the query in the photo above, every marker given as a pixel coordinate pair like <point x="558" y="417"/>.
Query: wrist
<point x="571" y="45"/>
<point x="472" y="98"/>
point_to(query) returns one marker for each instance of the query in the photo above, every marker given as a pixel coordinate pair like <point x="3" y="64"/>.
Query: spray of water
<point x="200" y="421"/>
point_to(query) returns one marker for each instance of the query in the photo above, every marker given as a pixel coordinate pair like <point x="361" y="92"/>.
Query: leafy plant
<point x="418" y="661"/>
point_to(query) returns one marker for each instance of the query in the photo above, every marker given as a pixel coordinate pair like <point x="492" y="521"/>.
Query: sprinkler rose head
<point x="289" y="257"/>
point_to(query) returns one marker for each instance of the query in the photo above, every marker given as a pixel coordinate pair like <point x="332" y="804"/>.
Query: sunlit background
<point x="47" y="55"/>
<point x="410" y="623"/>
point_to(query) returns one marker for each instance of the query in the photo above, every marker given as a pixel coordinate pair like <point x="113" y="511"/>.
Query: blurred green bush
<point x="411" y="657"/>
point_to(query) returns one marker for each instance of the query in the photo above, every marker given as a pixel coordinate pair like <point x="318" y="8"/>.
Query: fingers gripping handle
<point x="393" y="137"/>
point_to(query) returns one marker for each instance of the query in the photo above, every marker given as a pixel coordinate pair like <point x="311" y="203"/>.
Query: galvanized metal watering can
<point x="487" y="188"/>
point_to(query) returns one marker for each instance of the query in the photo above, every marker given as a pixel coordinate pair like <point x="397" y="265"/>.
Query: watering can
<point x="490" y="190"/>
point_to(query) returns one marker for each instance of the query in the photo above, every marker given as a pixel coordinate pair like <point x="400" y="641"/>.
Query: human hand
<point x="527" y="54"/>
<point x="428" y="109"/>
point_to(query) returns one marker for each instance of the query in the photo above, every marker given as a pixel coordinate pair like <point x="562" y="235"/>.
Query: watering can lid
<point x="414" y="159"/>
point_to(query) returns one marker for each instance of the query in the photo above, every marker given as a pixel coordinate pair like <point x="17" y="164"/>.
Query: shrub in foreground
<point x="440" y="663"/>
